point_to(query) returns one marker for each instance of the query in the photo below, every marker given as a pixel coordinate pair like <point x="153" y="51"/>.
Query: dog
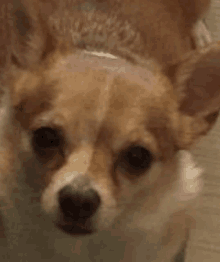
<point x="102" y="102"/>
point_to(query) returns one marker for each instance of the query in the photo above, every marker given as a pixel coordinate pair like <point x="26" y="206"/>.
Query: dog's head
<point x="105" y="130"/>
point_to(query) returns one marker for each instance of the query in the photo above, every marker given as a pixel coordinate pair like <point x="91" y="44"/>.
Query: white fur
<point x="191" y="182"/>
<point x="101" y="54"/>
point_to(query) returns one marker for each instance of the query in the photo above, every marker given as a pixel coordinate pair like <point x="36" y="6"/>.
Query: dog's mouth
<point x="75" y="227"/>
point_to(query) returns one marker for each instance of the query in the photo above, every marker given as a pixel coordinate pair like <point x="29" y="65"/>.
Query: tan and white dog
<point x="101" y="105"/>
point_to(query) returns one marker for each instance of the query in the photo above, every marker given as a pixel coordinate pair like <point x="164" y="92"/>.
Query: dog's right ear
<point x="196" y="80"/>
<point x="32" y="40"/>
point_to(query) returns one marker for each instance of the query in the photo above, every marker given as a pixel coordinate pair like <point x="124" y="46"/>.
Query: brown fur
<point x="101" y="107"/>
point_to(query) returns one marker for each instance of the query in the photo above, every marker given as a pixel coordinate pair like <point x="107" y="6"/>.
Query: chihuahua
<point x="102" y="102"/>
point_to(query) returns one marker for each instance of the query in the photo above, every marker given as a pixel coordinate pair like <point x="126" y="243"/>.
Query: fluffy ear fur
<point x="197" y="82"/>
<point x="31" y="39"/>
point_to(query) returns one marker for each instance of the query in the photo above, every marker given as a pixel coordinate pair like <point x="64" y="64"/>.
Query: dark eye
<point x="136" y="159"/>
<point x="45" y="139"/>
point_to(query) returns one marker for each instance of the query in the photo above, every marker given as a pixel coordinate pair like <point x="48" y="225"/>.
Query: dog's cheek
<point x="138" y="199"/>
<point x="107" y="213"/>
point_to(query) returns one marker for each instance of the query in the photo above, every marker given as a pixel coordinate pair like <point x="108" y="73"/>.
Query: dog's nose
<point x="77" y="205"/>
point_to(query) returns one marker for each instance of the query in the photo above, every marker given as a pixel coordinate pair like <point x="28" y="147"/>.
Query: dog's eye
<point x="46" y="141"/>
<point x="46" y="137"/>
<point x="136" y="159"/>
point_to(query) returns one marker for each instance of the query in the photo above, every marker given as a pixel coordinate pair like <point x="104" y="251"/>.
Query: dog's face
<point x="105" y="132"/>
<point x="103" y="137"/>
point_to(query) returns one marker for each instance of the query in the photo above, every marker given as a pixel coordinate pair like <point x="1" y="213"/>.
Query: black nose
<point x="76" y="205"/>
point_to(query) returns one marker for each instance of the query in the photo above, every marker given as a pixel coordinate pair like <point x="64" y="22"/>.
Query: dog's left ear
<point x="197" y="82"/>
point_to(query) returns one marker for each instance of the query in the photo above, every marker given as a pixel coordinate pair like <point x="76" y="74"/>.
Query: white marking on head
<point x="101" y="54"/>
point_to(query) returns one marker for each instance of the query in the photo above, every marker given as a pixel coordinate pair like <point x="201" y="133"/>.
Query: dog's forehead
<point x="93" y="90"/>
<point x="84" y="76"/>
